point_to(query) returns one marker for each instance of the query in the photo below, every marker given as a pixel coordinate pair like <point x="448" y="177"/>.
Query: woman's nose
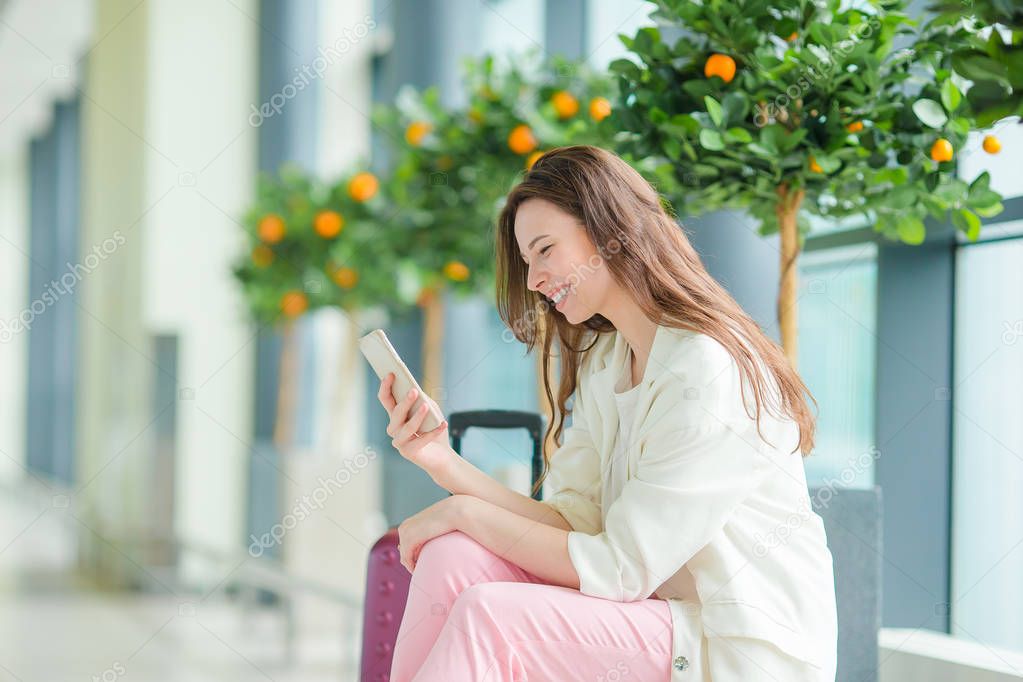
<point x="535" y="280"/>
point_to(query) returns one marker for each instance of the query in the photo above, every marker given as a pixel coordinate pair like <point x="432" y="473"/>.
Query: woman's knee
<point x="494" y="597"/>
<point x="455" y="546"/>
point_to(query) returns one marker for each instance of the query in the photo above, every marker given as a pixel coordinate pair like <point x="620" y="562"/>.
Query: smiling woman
<point x="680" y="460"/>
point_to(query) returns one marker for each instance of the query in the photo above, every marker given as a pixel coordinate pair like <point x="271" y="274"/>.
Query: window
<point x="605" y="20"/>
<point x="987" y="527"/>
<point x="837" y="319"/>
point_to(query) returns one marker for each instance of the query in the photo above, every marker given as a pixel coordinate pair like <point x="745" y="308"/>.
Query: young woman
<point x="678" y="543"/>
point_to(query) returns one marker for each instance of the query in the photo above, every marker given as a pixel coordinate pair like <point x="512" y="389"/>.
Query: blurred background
<point x="193" y="461"/>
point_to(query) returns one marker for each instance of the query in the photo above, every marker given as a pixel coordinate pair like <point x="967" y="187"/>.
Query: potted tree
<point x="797" y="109"/>
<point x="452" y="167"/>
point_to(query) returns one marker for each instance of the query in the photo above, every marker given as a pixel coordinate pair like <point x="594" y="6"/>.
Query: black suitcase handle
<point x="460" y="422"/>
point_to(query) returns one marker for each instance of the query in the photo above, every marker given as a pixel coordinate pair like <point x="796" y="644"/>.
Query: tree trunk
<point x="343" y="397"/>
<point x="787" y="209"/>
<point x="284" y="424"/>
<point x="432" y="303"/>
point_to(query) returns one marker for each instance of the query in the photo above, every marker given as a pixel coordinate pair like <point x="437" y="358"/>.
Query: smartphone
<point x="384" y="359"/>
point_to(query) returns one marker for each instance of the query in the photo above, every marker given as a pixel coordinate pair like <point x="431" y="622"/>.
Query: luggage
<point x="387" y="581"/>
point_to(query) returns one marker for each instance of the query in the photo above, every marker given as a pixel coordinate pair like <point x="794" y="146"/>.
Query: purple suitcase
<point x="387" y="581"/>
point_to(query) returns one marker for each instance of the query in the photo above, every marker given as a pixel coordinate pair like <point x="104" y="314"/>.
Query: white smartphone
<point x="384" y="359"/>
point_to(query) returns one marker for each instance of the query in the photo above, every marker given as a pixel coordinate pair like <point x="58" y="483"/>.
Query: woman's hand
<point x="430" y="451"/>
<point x="415" y="531"/>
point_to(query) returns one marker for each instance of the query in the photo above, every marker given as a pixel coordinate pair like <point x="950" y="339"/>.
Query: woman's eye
<point x="544" y="250"/>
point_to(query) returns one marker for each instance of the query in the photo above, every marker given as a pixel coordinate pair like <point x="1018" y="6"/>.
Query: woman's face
<point x="561" y="257"/>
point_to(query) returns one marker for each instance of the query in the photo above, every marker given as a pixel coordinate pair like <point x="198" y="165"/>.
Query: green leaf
<point x="967" y="221"/>
<point x="902" y="197"/>
<point x="950" y="95"/>
<point x="930" y="113"/>
<point x="738" y="135"/>
<point x="770" y="137"/>
<point x="982" y="181"/>
<point x="979" y="67"/>
<point x="672" y="148"/>
<point x="705" y="170"/>
<point x="896" y="175"/>
<point x="689" y="150"/>
<point x="822" y="33"/>
<point x="980" y="197"/>
<point x="711" y="139"/>
<point x="735" y="107"/>
<point x="828" y="164"/>
<point x="791" y="140"/>
<point x="952" y="191"/>
<point x="690" y="124"/>
<point x="714" y="109"/>
<point x="911" y="229"/>
<point x="989" y="211"/>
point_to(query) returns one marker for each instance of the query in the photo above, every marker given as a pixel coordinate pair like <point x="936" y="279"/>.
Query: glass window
<point x="837" y="323"/>
<point x="510" y="26"/>
<point x="605" y="21"/>
<point x="1004" y="167"/>
<point x="987" y="527"/>
<point x="485" y="370"/>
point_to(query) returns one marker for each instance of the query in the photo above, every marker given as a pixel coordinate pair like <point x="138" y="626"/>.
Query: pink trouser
<point x="474" y="616"/>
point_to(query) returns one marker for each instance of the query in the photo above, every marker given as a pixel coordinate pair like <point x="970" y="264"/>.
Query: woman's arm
<point x="459" y="477"/>
<point x="535" y="547"/>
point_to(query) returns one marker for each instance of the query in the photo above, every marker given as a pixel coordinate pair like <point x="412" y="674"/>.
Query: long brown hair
<point x="655" y="262"/>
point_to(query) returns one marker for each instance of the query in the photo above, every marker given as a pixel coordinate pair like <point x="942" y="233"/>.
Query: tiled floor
<point x="53" y="629"/>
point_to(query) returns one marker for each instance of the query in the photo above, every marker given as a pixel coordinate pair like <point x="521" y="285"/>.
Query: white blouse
<point x="713" y="516"/>
<point x="615" y="468"/>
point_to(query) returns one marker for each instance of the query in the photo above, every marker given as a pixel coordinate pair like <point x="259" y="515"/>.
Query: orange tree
<point x="991" y="59"/>
<point x="452" y="167"/>
<point x="312" y="244"/>
<point x="792" y="108"/>
<point x="393" y="241"/>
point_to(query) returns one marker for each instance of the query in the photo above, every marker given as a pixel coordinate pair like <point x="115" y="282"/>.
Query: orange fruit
<point x="416" y="131"/>
<point x="521" y="140"/>
<point x="345" y="277"/>
<point x="792" y="37"/>
<point x="294" y="303"/>
<point x="531" y="159"/>
<point x="991" y="144"/>
<point x="941" y="150"/>
<point x="271" y="228"/>
<point x="855" y="126"/>
<point x="720" y="65"/>
<point x="600" y="108"/>
<point x="328" y="224"/>
<point x="814" y="166"/>
<point x="363" y="186"/>
<point x="565" y="104"/>
<point x="262" y="255"/>
<point x="456" y="270"/>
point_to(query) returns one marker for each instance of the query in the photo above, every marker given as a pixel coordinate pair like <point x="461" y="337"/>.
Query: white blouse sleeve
<point x="575" y="475"/>
<point x="688" y="481"/>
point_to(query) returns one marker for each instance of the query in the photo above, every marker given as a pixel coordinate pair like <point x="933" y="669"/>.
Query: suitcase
<point x="387" y="581"/>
